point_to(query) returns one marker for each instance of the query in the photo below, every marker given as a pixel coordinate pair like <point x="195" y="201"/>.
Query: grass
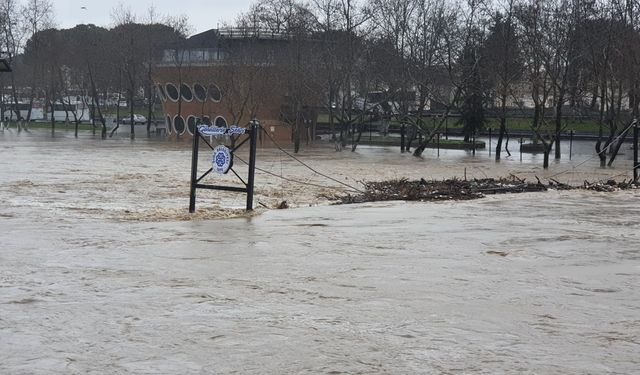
<point x="63" y="126"/>
<point x="521" y="124"/>
<point x="47" y="125"/>
<point x="524" y="124"/>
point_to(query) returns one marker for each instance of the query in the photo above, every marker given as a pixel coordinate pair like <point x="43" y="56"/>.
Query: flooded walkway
<point x="532" y="283"/>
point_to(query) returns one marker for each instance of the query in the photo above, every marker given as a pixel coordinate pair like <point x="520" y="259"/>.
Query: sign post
<point x="222" y="160"/>
<point x="253" y="135"/>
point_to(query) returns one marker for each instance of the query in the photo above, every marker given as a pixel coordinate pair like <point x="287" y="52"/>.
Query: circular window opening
<point x="192" y="122"/>
<point x="172" y="92"/>
<point x="221" y="122"/>
<point x="178" y="125"/>
<point x="169" y="125"/>
<point x="161" y="93"/>
<point x="200" y="92"/>
<point x="206" y="120"/>
<point x="214" y="93"/>
<point x="186" y="93"/>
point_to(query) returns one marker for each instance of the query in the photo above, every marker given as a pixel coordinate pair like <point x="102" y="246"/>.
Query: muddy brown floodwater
<point x="103" y="272"/>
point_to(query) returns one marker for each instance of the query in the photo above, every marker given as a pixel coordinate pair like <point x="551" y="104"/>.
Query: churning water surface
<point x="92" y="282"/>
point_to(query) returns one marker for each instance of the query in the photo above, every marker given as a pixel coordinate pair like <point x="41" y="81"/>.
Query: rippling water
<point x="515" y="284"/>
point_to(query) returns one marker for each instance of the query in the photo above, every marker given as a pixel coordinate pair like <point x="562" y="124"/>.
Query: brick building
<point x="227" y="77"/>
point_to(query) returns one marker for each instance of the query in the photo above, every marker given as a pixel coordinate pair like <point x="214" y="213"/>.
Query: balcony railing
<point x="251" y="32"/>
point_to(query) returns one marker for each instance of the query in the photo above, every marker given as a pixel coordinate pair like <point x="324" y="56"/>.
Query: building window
<point x="186" y="93"/>
<point x="178" y="125"/>
<point x="206" y="120"/>
<point x="172" y="92"/>
<point x="169" y="125"/>
<point x="192" y="122"/>
<point x="221" y="122"/>
<point x="214" y="93"/>
<point x="200" y="92"/>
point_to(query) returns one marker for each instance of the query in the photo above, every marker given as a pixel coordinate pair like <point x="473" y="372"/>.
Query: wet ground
<point x="100" y="272"/>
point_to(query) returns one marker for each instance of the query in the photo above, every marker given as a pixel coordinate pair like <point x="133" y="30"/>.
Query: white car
<point x="137" y="119"/>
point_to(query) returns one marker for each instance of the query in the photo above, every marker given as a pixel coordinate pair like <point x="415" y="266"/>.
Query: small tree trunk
<point x="296" y="131"/>
<point x="558" y="129"/>
<point x="616" y="147"/>
<point x="133" y="132"/>
<point x="357" y="141"/>
<point x="332" y="125"/>
<point x="503" y="129"/>
<point x="151" y="99"/>
<point x="93" y="115"/>
<point x="53" y="119"/>
<point x="77" y="123"/>
<point x="545" y="162"/>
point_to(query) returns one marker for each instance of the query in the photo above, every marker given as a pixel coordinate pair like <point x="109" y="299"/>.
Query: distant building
<point x="225" y="77"/>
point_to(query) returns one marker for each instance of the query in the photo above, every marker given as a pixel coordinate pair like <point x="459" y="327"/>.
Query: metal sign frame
<point x="252" y="131"/>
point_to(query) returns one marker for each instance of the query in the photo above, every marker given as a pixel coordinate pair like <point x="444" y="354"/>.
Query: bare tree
<point x="11" y="42"/>
<point x="157" y="31"/>
<point x="502" y="51"/>
<point x="530" y="19"/>
<point x="327" y="18"/>
<point x="393" y="20"/>
<point x="350" y="40"/>
<point x="561" y="18"/>
<point x="37" y="15"/>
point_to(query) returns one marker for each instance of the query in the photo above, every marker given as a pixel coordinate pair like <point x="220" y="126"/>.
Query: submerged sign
<point x="222" y="159"/>
<point x="218" y="130"/>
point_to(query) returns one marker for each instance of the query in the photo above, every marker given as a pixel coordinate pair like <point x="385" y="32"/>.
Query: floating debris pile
<point x="456" y="189"/>
<point x="609" y="185"/>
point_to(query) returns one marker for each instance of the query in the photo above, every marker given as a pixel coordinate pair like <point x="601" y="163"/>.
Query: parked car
<point x="137" y="119"/>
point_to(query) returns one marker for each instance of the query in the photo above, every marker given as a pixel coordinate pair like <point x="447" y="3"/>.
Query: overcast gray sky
<point x="203" y="14"/>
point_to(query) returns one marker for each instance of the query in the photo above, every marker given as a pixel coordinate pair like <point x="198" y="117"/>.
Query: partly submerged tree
<point x="503" y="54"/>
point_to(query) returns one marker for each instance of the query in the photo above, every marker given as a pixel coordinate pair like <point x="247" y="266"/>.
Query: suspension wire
<point x="624" y="132"/>
<point x="290" y="179"/>
<point x="306" y="165"/>
<point x="625" y="173"/>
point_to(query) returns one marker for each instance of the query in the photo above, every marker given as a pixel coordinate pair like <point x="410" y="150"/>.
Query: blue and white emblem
<point x="221" y="159"/>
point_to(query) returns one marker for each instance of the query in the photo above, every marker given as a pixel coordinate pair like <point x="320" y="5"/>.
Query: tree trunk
<point x="558" y="129"/>
<point x="117" y="116"/>
<point x="77" y="123"/>
<point x="93" y="115"/>
<point x="151" y="99"/>
<point x="601" y="154"/>
<point x="545" y="162"/>
<point x="31" y="99"/>
<point x="503" y="128"/>
<point x="616" y="147"/>
<point x="332" y="125"/>
<point x="133" y="132"/>
<point x="503" y="125"/>
<point x="413" y="135"/>
<point x="15" y="100"/>
<point x="96" y="101"/>
<point x="53" y="119"/>
<point x="296" y="131"/>
<point x="357" y="141"/>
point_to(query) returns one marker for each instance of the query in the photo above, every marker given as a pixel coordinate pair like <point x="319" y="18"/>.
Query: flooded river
<point x="103" y="272"/>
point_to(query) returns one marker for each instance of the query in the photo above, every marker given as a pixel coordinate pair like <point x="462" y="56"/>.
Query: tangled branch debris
<point x="455" y="189"/>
